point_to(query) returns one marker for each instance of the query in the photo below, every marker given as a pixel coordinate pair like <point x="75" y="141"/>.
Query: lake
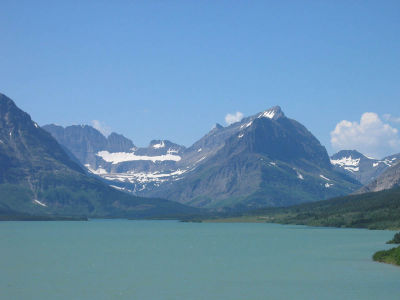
<point x="121" y="259"/>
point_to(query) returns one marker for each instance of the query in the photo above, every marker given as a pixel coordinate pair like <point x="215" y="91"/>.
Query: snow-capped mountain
<point x="361" y="167"/>
<point x="264" y="160"/>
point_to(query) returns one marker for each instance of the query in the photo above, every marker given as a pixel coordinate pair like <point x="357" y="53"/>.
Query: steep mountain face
<point x="264" y="160"/>
<point x="389" y="179"/>
<point x="38" y="178"/>
<point x="360" y="167"/>
<point x="84" y="141"/>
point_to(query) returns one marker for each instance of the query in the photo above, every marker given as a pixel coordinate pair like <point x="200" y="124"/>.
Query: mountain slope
<point x="387" y="180"/>
<point x="267" y="160"/>
<point x="37" y="177"/>
<point x="360" y="167"/>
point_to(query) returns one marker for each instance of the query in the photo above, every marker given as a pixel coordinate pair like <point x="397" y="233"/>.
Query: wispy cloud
<point x="102" y="127"/>
<point x="233" y="118"/>
<point x="391" y="119"/>
<point x="371" y="136"/>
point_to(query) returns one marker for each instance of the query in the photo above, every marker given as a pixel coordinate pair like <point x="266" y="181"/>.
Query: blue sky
<point x="171" y="69"/>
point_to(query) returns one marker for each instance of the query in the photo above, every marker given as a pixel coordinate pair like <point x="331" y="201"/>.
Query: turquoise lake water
<point x="121" y="259"/>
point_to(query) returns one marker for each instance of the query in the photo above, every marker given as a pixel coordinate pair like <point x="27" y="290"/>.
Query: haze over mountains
<point x="264" y="160"/>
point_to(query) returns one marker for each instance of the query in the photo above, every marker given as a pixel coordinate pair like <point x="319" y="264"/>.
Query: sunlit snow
<point x="40" y="203"/>
<point x="323" y="177"/>
<point x="267" y="114"/>
<point x="246" y="125"/>
<point x="99" y="171"/>
<point x="346" y="161"/>
<point x="118" y="157"/>
<point x="160" y="145"/>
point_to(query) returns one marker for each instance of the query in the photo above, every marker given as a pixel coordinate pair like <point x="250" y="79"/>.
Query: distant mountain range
<point x="264" y="160"/>
<point x="37" y="177"/>
<point x="361" y="167"/>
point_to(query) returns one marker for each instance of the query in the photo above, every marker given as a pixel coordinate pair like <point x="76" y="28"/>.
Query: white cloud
<point x="102" y="127"/>
<point x="233" y="118"/>
<point x="371" y="136"/>
<point x="390" y="118"/>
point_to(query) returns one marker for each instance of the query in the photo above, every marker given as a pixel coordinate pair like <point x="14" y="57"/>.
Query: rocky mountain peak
<point x="348" y="153"/>
<point x="273" y="113"/>
<point x="119" y="143"/>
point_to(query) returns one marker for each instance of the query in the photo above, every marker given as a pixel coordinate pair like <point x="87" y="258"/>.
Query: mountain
<point x="84" y="141"/>
<point x="37" y="177"/>
<point x="390" y="178"/>
<point x="264" y="160"/>
<point x="360" y="167"/>
<point x="119" y="161"/>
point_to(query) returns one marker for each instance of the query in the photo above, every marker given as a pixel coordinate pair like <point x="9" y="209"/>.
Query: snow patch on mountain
<point x="118" y="157"/>
<point x="347" y="163"/>
<point x="323" y="177"/>
<point x="352" y="169"/>
<point x="267" y="114"/>
<point x="99" y="171"/>
<point x="246" y="125"/>
<point x="159" y="145"/>
<point x="141" y="180"/>
<point x="39" y="203"/>
<point x="170" y="151"/>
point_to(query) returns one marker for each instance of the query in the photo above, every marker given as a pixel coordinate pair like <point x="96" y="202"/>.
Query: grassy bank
<point x="391" y="256"/>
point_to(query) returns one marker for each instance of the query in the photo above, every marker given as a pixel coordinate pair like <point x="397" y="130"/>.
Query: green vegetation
<point x="391" y="256"/>
<point x="395" y="240"/>
<point x="380" y="210"/>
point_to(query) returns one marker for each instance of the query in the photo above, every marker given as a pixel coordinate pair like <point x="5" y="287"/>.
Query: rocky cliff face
<point x="390" y="178"/>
